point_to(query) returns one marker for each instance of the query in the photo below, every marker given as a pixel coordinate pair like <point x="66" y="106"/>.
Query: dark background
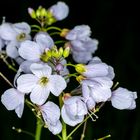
<point x="114" y="24"/>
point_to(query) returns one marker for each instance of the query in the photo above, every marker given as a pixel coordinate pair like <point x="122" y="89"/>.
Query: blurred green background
<point x="114" y="24"/>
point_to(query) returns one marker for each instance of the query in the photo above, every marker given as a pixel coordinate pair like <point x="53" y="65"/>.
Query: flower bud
<point x="66" y="52"/>
<point x="60" y="51"/>
<point x="43" y="12"/>
<point x="32" y="13"/>
<point x="64" y="32"/>
<point x="80" y="68"/>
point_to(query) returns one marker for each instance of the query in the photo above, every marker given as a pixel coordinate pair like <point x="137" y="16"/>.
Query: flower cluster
<point x="44" y="70"/>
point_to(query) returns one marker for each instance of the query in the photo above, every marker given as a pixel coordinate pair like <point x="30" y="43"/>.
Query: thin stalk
<point x="84" y="130"/>
<point x="53" y="28"/>
<point x="7" y="81"/>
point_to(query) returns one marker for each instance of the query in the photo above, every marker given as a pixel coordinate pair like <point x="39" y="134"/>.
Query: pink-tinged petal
<point x="68" y="120"/>
<point x="56" y="84"/>
<point x="123" y="99"/>
<point x="30" y="50"/>
<point x="41" y="70"/>
<point x="12" y="98"/>
<point x="50" y="112"/>
<point x="39" y="94"/>
<point x="26" y="83"/>
<point x="12" y="49"/>
<point x="55" y="129"/>
<point x="19" y="110"/>
<point x="7" y="32"/>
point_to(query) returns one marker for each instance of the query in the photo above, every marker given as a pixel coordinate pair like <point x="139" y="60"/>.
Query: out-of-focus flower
<point x="73" y="110"/>
<point x="13" y="99"/>
<point x="59" y="10"/>
<point x="41" y="83"/>
<point x="51" y="115"/>
<point x="123" y="99"/>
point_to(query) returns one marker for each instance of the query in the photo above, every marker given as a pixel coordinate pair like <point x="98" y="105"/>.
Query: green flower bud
<point x="80" y="68"/>
<point x="32" y="13"/>
<point x="66" y="52"/>
<point x="43" y="12"/>
<point x="60" y="51"/>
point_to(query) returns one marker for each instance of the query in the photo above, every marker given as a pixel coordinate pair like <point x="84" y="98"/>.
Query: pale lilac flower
<point x="96" y="68"/>
<point x="59" y="10"/>
<point x="13" y="99"/>
<point x="73" y="110"/>
<point x="82" y="46"/>
<point x="14" y="34"/>
<point x="51" y="115"/>
<point x="32" y="51"/>
<point x="123" y="99"/>
<point x="97" y="60"/>
<point x="97" y="88"/>
<point x="41" y="83"/>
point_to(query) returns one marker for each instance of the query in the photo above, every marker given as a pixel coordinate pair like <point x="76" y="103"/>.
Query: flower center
<point x="43" y="81"/>
<point x="21" y="37"/>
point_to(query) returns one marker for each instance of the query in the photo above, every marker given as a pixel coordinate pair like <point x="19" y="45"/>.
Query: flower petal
<point x="50" y="112"/>
<point x="7" y="32"/>
<point x="56" y="84"/>
<point x="12" y="98"/>
<point x="44" y="40"/>
<point x="26" y="82"/>
<point x="68" y="120"/>
<point x="19" y="110"/>
<point x="59" y="10"/>
<point x="41" y="70"/>
<point x="12" y="49"/>
<point x="30" y="50"/>
<point x="123" y="99"/>
<point x="22" y="27"/>
<point x="55" y="129"/>
<point x="39" y="94"/>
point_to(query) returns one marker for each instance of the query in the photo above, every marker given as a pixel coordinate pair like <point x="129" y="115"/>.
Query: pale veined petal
<point x="30" y="50"/>
<point x="41" y="70"/>
<point x="39" y="94"/>
<point x="44" y="40"/>
<point x="7" y="32"/>
<point x="68" y="120"/>
<point x="56" y="84"/>
<point x="19" y="110"/>
<point x="22" y="27"/>
<point x="12" y="49"/>
<point x="55" y="129"/>
<point x="12" y="98"/>
<point x="26" y="82"/>
<point x="50" y="112"/>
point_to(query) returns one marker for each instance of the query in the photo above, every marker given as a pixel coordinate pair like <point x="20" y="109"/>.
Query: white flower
<point x="123" y="99"/>
<point x="14" y="34"/>
<point x="73" y="110"/>
<point x="51" y="115"/>
<point x="13" y="99"/>
<point x="41" y="83"/>
<point x="32" y="51"/>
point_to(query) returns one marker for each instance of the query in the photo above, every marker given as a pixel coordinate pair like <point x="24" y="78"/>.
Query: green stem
<point x="53" y="28"/>
<point x="38" y="129"/>
<point x="64" y="129"/>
